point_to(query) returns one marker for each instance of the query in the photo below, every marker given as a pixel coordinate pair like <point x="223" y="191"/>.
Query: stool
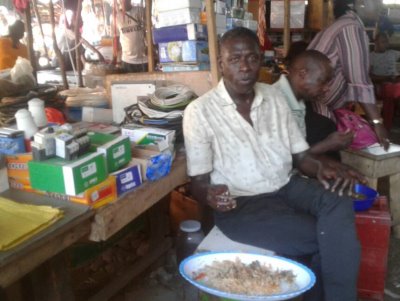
<point x="374" y="167"/>
<point x="373" y="230"/>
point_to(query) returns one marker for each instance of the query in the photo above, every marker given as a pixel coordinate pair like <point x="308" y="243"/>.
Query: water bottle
<point x="26" y="123"/>
<point x="36" y="107"/>
<point x="189" y="237"/>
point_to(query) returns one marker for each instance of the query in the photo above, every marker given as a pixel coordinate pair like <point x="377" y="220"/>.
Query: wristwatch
<point x="376" y="121"/>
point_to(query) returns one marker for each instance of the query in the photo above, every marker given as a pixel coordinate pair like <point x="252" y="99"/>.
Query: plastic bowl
<point x="367" y="202"/>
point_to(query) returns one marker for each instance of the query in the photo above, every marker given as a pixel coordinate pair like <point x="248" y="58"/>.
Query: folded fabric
<point x="19" y="222"/>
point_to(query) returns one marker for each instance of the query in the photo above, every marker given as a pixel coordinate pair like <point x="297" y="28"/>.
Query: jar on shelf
<point x="189" y="237"/>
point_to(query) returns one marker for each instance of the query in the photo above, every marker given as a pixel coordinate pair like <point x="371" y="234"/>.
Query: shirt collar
<point x="353" y="15"/>
<point x="226" y="100"/>
<point x="293" y="102"/>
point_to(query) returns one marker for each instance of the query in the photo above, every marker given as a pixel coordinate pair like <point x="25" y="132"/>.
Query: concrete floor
<point x="164" y="283"/>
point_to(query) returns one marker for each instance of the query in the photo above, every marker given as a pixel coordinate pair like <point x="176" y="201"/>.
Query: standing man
<point x="131" y="27"/>
<point x="242" y="143"/>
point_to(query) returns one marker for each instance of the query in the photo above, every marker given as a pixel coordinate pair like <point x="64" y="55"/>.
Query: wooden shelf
<point x="292" y="30"/>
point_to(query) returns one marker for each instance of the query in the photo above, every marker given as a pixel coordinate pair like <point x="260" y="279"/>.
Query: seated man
<point x="242" y="143"/>
<point x="309" y="74"/>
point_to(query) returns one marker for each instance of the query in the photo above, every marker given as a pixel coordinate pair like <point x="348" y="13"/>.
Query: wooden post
<point x="55" y="46"/>
<point x="77" y="39"/>
<point x="35" y="9"/>
<point x="28" y="27"/>
<point x="149" y="37"/>
<point x="212" y="42"/>
<point x="286" y="27"/>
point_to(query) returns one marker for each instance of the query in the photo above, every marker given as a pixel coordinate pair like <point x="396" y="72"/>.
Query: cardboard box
<point x="126" y="94"/>
<point x="116" y="149"/>
<point x="183" y="32"/>
<point x="17" y="165"/>
<point x="163" y="5"/>
<point x="128" y="178"/>
<point x="18" y="172"/>
<point x="68" y="177"/>
<point x="184" y="51"/>
<point x="149" y="136"/>
<point x="178" y="17"/>
<point x="182" y="67"/>
<point x="297" y="13"/>
<point x="12" y="141"/>
<point x="20" y="184"/>
<point x="96" y="196"/>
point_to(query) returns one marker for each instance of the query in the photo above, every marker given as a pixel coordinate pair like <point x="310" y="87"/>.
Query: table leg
<point x="394" y="181"/>
<point x="51" y="281"/>
<point x="372" y="182"/>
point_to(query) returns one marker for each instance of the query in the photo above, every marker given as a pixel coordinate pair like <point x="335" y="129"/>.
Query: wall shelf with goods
<point x="296" y="19"/>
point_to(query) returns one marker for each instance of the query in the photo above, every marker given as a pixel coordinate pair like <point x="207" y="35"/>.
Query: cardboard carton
<point x="68" y="177"/>
<point x="116" y="149"/>
<point x="128" y="178"/>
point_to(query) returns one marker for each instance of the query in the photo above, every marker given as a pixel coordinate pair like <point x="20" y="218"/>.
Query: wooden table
<point x="19" y="261"/>
<point x="375" y="167"/>
<point x="110" y="219"/>
<point x="39" y="255"/>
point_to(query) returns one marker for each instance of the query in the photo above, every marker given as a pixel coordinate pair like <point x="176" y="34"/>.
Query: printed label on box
<point x="125" y="178"/>
<point x="119" y="151"/>
<point x="88" y="170"/>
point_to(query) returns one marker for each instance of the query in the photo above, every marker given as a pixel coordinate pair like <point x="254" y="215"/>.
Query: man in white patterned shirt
<point x="242" y="143"/>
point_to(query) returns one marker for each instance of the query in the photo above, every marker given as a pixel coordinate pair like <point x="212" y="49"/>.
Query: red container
<point x="373" y="228"/>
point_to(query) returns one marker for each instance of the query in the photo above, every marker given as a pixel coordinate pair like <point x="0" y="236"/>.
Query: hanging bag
<point x="364" y="134"/>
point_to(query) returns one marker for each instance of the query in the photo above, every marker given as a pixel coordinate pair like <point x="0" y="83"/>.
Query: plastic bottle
<point x="26" y="123"/>
<point x="36" y="107"/>
<point x="189" y="237"/>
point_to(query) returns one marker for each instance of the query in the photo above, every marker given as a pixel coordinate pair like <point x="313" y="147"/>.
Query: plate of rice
<point x="247" y="276"/>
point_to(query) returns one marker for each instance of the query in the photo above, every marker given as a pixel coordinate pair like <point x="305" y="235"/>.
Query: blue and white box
<point x="183" y="32"/>
<point x="11" y="141"/>
<point x="128" y="178"/>
<point x="184" y="51"/>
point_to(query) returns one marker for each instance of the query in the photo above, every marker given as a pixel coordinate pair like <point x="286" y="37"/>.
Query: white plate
<point x="305" y="278"/>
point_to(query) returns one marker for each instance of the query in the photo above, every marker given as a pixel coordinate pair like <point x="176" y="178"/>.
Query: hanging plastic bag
<point x="22" y="73"/>
<point x="364" y="134"/>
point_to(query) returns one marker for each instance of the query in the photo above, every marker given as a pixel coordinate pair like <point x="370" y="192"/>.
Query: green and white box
<point x="149" y="136"/>
<point x="116" y="149"/>
<point x="68" y="177"/>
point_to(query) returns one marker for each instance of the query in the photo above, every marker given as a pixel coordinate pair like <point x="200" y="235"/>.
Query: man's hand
<point x="332" y="174"/>
<point x="382" y="135"/>
<point x="339" y="140"/>
<point x="219" y="198"/>
<point x="339" y="177"/>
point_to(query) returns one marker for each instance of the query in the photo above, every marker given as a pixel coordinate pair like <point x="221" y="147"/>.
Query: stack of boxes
<point x="182" y="40"/>
<point x="110" y="166"/>
<point x="181" y="34"/>
<point x="238" y="16"/>
<point x="94" y="178"/>
<point x="221" y="8"/>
